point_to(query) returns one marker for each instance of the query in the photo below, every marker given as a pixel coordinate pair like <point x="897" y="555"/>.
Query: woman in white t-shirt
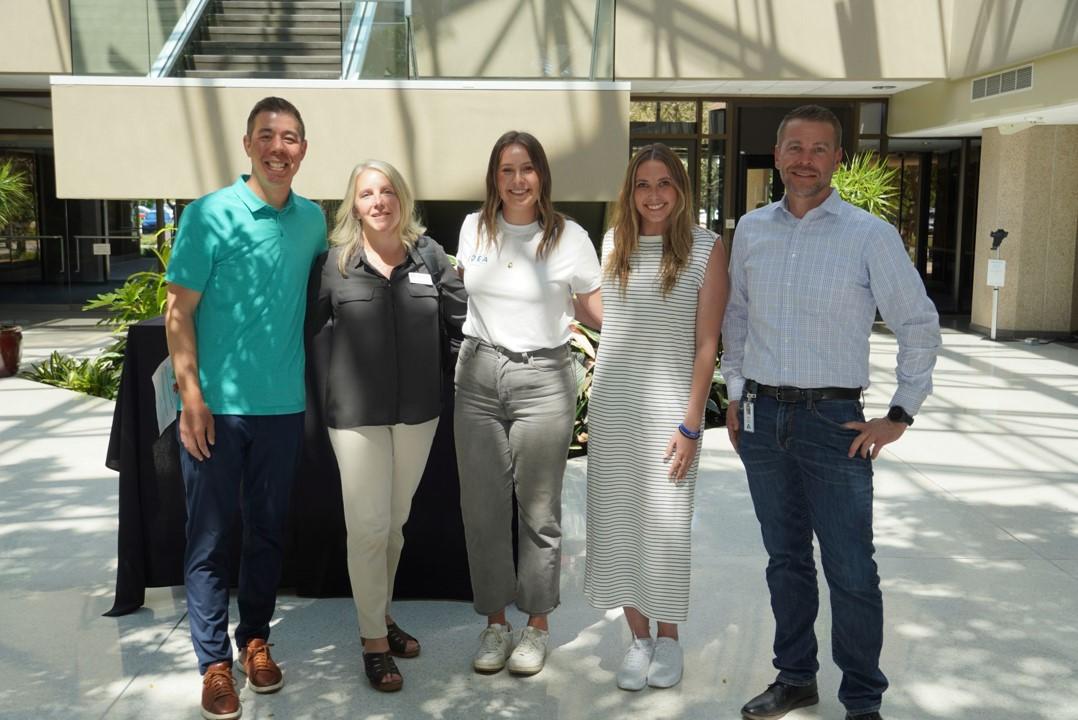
<point x="527" y="268"/>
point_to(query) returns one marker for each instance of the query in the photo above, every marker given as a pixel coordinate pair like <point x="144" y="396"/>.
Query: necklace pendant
<point x="509" y="264"/>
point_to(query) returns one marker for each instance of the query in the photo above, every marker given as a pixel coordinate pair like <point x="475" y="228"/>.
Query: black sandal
<point x="377" y="666"/>
<point x="398" y="642"/>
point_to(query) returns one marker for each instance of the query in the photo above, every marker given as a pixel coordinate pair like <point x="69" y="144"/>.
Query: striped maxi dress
<point x="638" y="522"/>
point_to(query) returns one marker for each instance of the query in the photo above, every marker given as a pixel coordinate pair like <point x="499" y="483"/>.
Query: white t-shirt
<point x="515" y="301"/>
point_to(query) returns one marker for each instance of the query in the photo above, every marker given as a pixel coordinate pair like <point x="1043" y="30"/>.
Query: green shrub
<point x="868" y="183"/>
<point x="99" y="376"/>
<point x="142" y="297"/>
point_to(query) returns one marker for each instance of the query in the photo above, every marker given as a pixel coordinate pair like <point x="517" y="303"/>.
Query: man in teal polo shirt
<point x="237" y="282"/>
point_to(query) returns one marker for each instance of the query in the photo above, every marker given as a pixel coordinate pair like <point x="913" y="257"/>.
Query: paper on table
<point x="165" y="396"/>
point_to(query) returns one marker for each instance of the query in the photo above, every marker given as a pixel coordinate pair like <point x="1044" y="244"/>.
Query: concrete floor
<point x="977" y="537"/>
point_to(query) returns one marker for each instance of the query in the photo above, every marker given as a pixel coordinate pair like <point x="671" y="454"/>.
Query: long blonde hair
<point x="550" y="220"/>
<point x="677" y="238"/>
<point x="348" y="230"/>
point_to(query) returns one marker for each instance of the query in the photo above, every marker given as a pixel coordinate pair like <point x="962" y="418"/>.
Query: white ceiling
<point x="1054" y="115"/>
<point x="777" y="88"/>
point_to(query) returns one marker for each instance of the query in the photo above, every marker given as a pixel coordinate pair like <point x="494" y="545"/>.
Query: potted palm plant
<point x="867" y="182"/>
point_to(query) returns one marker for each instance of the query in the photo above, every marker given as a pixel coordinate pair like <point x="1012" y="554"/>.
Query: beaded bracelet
<point x="691" y="434"/>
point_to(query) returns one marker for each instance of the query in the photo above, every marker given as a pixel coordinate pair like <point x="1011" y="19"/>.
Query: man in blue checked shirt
<point x="806" y="277"/>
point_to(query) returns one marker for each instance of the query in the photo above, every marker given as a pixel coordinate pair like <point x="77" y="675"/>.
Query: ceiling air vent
<point x="1002" y="83"/>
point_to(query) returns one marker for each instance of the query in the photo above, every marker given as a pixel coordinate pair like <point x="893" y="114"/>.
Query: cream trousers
<point x="381" y="466"/>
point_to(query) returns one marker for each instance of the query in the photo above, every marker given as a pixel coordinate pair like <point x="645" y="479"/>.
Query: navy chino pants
<point x="802" y="483"/>
<point x="251" y="468"/>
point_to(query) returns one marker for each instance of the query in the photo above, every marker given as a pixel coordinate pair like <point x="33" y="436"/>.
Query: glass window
<point x="714" y="118"/>
<point x="645" y="111"/>
<point x="871" y="118"/>
<point x="710" y="185"/>
<point x="910" y="199"/>
<point x="660" y="117"/>
<point x="678" y="117"/>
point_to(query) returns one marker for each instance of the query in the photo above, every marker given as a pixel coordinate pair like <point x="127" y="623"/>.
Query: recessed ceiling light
<point x="884" y="87"/>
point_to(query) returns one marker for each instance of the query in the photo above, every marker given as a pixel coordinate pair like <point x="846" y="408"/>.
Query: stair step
<point x="312" y="6"/>
<point x="286" y="47"/>
<point x="275" y="19"/>
<point x="273" y="74"/>
<point x="261" y="34"/>
<point x="329" y="63"/>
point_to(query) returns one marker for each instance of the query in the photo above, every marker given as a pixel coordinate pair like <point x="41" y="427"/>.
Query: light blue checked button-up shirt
<point x="803" y="297"/>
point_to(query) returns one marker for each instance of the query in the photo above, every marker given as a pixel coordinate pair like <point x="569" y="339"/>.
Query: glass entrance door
<point x="759" y="183"/>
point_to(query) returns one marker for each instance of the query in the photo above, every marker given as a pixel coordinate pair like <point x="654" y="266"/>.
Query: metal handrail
<point x="41" y="245"/>
<point x="8" y="240"/>
<point x="354" y="48"/>
<point x="177" y="40"/>
<point x="409" y="29"/>
<point x="79" y="238"/>
<point x="601" y="8"/>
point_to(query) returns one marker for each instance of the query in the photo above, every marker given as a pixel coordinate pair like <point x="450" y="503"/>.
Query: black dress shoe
<point x="865" y="716"/>
<point x="779" y="699"/>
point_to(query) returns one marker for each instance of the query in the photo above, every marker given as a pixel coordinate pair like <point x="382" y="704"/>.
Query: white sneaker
<point x="530" y="654"/>
<point x="495" y="644"/>
<point x="666" y="664"/>
<point x="633" y="674"/>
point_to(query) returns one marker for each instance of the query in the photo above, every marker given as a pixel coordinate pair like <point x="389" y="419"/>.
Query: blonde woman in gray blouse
<point x="387" y="295"/>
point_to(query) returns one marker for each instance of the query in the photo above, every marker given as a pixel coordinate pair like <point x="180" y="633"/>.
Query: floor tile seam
<point x="80" y="558"/>
<point x="945" y="556"/>
<point x="138" y="674"/>
<point x="970" y="507"/>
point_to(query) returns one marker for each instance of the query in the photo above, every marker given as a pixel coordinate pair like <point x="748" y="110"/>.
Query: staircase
<point x="267" y="39"/>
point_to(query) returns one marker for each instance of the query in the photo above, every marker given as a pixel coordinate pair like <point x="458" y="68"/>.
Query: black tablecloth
<point x="152" y="510"/>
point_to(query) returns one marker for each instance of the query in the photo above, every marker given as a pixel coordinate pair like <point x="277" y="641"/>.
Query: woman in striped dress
<point x="664" y="293"/>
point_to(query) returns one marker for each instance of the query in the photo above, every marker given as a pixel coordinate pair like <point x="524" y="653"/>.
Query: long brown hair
<point x="550" y="220"/>
<point x="677" y="238"/>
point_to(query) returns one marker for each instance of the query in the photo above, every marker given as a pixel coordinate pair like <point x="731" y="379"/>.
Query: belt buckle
<point x="788" y="394"/>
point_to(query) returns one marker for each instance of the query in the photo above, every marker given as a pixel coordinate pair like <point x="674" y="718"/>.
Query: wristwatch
<point x="897" y="413"/>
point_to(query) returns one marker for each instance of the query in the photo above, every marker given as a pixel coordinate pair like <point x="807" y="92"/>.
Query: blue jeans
<point x="250" y="469"/>
<point x="802" y="483"/>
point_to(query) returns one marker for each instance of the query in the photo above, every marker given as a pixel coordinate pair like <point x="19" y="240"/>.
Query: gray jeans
<point x="513" y="424"/>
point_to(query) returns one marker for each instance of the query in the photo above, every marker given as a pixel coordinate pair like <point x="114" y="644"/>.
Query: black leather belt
<point x="788" y="394"/>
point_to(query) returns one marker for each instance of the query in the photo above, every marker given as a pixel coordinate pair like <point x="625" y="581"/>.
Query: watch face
<point x="898" y="414"/>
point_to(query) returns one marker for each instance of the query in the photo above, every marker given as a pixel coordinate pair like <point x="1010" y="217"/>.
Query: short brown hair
<point x="811" y="113"/>
<point x="275" y="105"/>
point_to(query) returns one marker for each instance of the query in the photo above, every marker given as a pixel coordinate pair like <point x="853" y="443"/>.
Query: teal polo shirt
<point x="250" y="261"/>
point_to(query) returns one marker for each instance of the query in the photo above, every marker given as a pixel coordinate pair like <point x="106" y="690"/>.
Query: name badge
<point x="420" y="278"/>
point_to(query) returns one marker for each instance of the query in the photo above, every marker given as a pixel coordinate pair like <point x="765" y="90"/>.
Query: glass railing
<point x="487" y="39"/>
<point x="377" y="42"/>
<point x="120" y="37"/>
<point x="497" y="39"/>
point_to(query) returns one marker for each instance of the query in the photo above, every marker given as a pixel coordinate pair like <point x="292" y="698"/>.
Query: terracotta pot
<point x="10" y="349"/>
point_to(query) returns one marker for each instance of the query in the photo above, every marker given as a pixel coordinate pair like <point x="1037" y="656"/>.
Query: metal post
<point x="995" y="306"/>
<point x="995" y="309"/>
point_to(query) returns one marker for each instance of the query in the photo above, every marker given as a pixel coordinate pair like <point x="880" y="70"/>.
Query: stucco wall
<point x="182" y="138"/>
<point x="34" y="37"/>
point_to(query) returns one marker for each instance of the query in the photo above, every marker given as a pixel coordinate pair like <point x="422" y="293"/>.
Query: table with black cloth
<point x="152" y="512"/>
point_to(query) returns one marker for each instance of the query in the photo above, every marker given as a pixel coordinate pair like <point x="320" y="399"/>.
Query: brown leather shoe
<point x="219" y="698"/>
<point x="263" y="675"/>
